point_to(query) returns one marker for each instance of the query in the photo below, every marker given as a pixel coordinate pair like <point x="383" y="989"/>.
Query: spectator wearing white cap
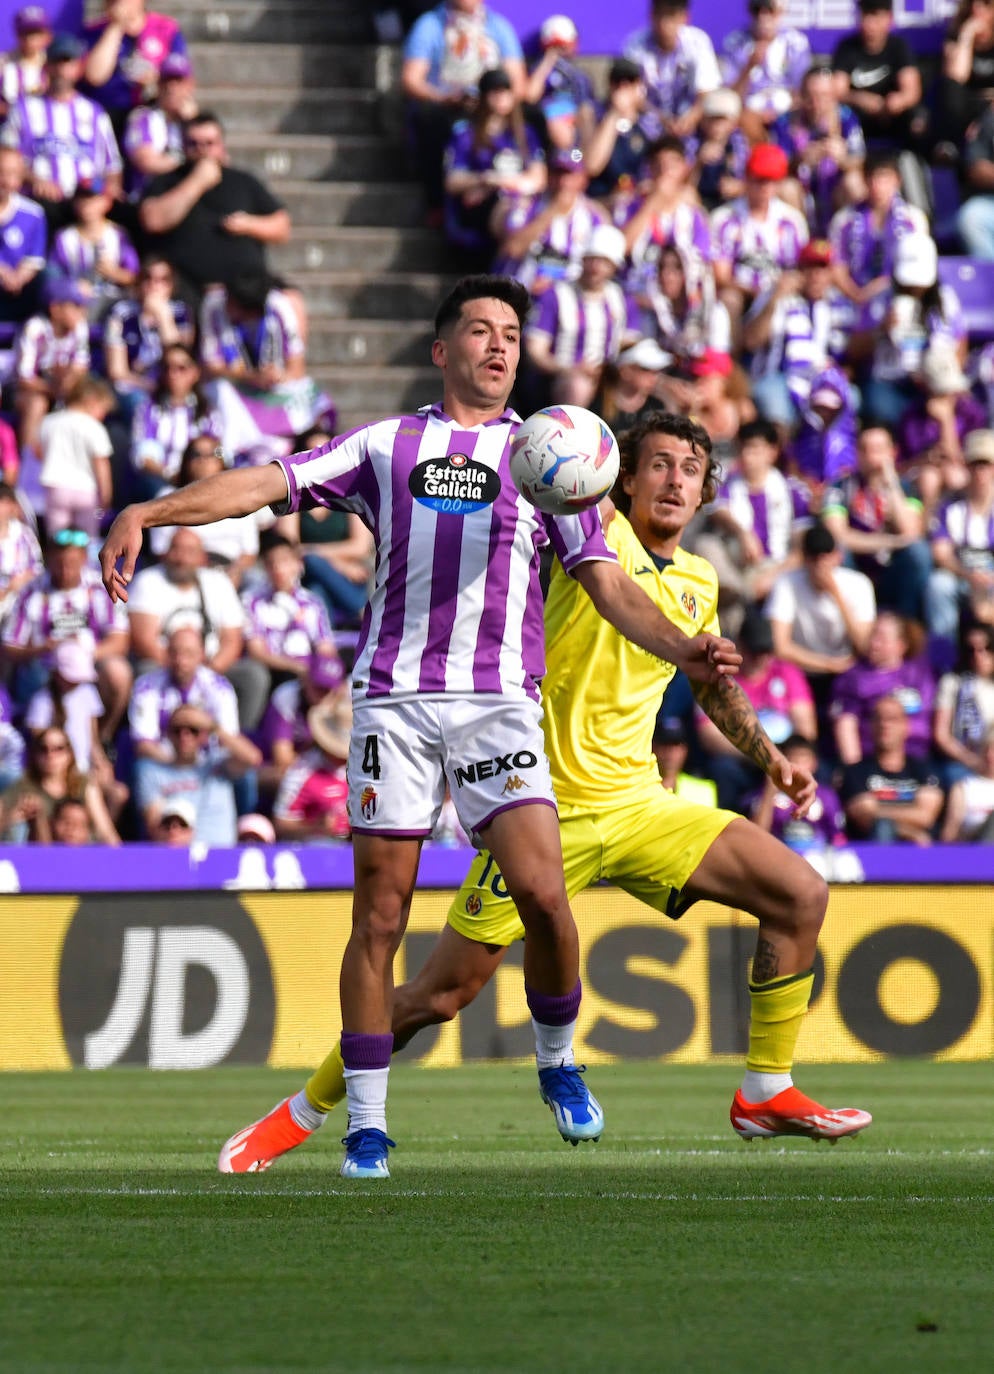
<point x="176" y="818"/>
<point x="914" y="313"/>
<point x="22" y="71"/>
<point x="764" y="64"/>
<point x="556" y="83"/>
<point x="255" y="829"/>
<point x="630" y="387"/>
<point x="719" y="150"/>
<point x="581" y="325"/>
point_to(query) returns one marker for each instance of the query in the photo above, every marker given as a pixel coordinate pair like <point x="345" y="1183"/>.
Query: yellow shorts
<point x="649" y="850"/>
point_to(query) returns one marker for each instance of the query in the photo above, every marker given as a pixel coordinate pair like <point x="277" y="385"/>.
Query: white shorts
<point x="489" y="749"/>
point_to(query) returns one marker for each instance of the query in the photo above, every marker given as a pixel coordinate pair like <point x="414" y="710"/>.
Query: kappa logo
<point x="513" y="785"/>
<point x="689" y="603"/>
<point x="409" y="431"/>
<point x="474" y="904"/>
<point x="368" y="800"/>
<point x="492" y="768"/>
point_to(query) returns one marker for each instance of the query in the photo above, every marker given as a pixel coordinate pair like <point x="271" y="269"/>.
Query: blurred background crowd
<point x="794" y="247"/>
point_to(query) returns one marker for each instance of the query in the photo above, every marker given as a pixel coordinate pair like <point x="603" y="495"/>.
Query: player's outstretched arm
<point x="239" y="492"/>
<point x="620" y="600"/>
<point x="731" y="710"/>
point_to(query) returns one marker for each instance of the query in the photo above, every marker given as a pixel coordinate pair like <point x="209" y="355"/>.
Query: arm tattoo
<point x="765" y="963"/>
<point x="732" y="711"/>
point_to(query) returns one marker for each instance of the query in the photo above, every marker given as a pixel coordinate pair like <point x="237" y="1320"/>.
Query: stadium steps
<point x="363" y="249"/>
<point x="370" y="343"/>
<point x="289" y="110"/>
<point x="300" y="166"/>
<point x="274" y="21"/>
<point x="339" y="65"/>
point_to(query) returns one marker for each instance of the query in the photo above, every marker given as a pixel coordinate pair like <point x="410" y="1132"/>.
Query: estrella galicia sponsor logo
<point x="492" y="768"/>
<point x="454" y="485"/>
<point x="167" y="981"/>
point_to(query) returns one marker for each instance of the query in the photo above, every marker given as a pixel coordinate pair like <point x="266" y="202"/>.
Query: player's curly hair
<point x="677" y="427"/>
<point x="482" y="286"/>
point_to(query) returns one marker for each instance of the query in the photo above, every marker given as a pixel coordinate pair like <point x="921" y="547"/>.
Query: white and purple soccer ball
<point x="564" y="459"/>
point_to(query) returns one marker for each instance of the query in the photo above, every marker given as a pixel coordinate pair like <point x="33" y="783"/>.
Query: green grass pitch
<point x="495" y="1247"/>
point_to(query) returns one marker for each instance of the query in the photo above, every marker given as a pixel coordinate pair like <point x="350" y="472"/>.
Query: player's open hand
<point x="122" y="545"/>
<point x="798" y="784"/>
<point x="709" y="657"/>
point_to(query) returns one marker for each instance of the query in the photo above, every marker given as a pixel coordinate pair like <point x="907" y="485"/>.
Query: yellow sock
<point x="778" y="1009"/>
<point x="326" y="1086"/>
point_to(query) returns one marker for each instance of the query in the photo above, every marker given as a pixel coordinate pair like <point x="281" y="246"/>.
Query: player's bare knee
<point x="810" y="900"/>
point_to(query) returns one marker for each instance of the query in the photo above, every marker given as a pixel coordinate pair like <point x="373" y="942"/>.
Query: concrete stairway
<point x="310" y="105"/>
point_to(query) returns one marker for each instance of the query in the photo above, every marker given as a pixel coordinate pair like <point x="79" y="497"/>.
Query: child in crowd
<point x="76" y="458"/>
<point x="22" y="71"/>
<point x="53" y="353"/>
<point x="95" y="252"/>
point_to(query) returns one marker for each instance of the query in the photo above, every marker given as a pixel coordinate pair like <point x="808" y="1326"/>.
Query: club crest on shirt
<point x="368" y="800"/>
<point x="454" y="485"/>
<point x="689" y="603"/>
<point x="474" y="904"/>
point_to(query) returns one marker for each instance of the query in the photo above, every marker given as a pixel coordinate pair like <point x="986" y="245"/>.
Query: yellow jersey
<point x="601" y="692"/>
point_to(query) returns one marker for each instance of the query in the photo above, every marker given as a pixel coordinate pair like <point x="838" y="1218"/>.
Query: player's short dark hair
<point x="758" y="429"/>
<point x="677" y="427"/>
<point x="482" y="286"/>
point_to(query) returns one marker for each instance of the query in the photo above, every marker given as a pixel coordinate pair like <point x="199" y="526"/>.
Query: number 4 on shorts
<point x="371" y="757"/>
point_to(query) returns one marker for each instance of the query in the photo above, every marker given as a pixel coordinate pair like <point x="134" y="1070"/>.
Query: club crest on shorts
<point x="689" y="603"/>
<point x="474" y="904"/>
<point x="368" y="800"/>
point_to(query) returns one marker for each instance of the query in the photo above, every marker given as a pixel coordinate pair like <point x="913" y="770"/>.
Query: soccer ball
<point x="564" y="459"/>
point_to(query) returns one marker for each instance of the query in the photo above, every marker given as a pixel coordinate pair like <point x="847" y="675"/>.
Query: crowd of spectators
<point x="744" y="235"/>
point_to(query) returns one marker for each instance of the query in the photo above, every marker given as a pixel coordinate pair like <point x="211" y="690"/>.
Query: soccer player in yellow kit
<point x="601" y="696"/>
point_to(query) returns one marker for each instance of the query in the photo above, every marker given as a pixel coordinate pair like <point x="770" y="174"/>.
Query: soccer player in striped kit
<point x="445" y="690"/>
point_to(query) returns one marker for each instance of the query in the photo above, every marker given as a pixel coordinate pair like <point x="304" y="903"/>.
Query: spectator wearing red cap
<point x="127" y="49"/>
<point x="794" y="332"/>
<point x="824" y="142"/>
<point x="542" y="241"/>
<point x="556" y="84"/>
<point x="678" y="65"/>
<point x="22" y="72"/>
<point x="153" y="134"/>
<point x="758" y="236"/>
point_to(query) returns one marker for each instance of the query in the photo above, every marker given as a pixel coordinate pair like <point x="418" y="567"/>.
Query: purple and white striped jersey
<point x="289" y="623"/>
<point x="866" y="249"/>
<point x="558" y="254"/>
<point x="77" y="257"/>
<point x="758" y="249"/>
<point x="772" y="83"/>
<point x="582" y="326"/>
<point x="685" y="227"/>
<point x="149" y="127"/>
<point x="126" y="324"/>
<point x="272" y="341"/>
<point x="23" y="235"/>
<point x="456" y="606"/>
<point x="907" y="328"/>
<point x="155" y="696"/>
<point x="805" y="338"/>
<point x="39" y="348"/>
<point x="42" y="612"/>
<point x="687" y="330"/>
<point x="773" y="514"/>
<point x="675" y="79"/>
<point x="19" y="553"/>
<point x="20" y="77"/>
<point x="65" y="141"/>
<point x="970" y="532"/>
<point x="160" y="432"/>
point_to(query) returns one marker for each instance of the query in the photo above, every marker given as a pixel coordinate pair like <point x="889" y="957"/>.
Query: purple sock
<point x="366" y="1051"/>
<point x="554" y="1011"/>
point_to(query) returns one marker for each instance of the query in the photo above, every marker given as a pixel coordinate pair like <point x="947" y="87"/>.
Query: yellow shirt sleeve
<point x="601" y="692"/>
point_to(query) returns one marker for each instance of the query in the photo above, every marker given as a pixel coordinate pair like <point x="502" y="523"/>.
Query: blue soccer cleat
<point x="578" y="1113"/>
<point x="366" y="1154"/>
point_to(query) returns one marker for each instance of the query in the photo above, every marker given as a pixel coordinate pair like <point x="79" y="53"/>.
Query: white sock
<point x="760" y="1087"/>
<point x="553" y="1044"/>
<point x="307" y="1117"/>
<point x="366" y="1093"/>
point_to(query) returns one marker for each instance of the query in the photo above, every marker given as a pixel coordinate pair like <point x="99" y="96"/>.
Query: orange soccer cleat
<point x="791" y="1113"/>
<point x="254" y="1148"/>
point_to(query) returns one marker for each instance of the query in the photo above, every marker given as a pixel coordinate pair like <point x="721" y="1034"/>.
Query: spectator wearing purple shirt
<point x="66" y="602"/>
<point x="20" y="556"/>
<point x="65" y="138"/>
<point x="764" y="64"/>
<point x="153" y="135"/>
<point x="490" y="155"/>
<point x="285" y="626"/>
<point x="892" y="666"/>
<point x="23" y="244"/>
<point x="963" y="552"/>
<point x="53" y="354"/>
<point x="823" y="448"/>
<point x="95" y="253"/>
<point x="22" y="71"/>
<point x="821" y="829"/>
<point x="542" y="241"/>
<point x="663" y="213"/>
<point x="678" y="65"/>
<point x="582" y="325"/>
<point x="889" y="796"/>
<point x="137" y="331"/>
<point x="880" y="526"/>
<point x="865" y="236"/>
<point x="166" y="422"/>
<point x="934" y="427"/>
<point x="127" y="49"/>
<point x="184" y="679"/>
<point x="284" y="733"/>
<point x="824" y="142"/>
